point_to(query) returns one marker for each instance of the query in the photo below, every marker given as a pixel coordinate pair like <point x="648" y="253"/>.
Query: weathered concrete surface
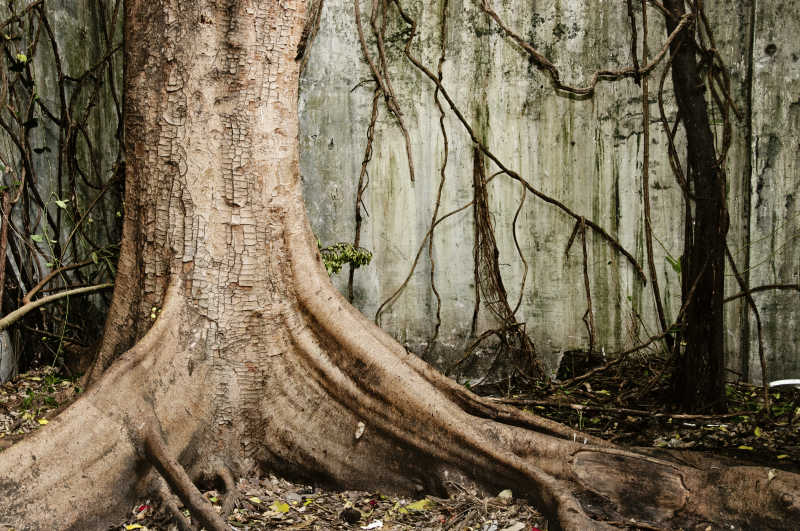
<point x="79" y="41"/>
<point x="775" y="182"/>
<point x="78" y="29"/>
<point x="585" y="153"/>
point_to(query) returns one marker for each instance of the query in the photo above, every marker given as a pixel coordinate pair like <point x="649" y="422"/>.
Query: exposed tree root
<point x="669" y="489"/>
<point x="231" y="492"/>
<point x="421" y="429"/>
<point x="179" y="481"/>
<point x="169" y="500"/>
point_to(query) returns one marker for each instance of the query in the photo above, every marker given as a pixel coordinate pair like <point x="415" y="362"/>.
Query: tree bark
<point x="248" y="359"/>
<point x="700" y="378"/>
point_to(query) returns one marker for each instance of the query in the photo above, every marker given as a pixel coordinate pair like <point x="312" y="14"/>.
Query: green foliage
<point x="51" y="380"/>
<point x="27" y="402"/>
<point x="336" y="255"/>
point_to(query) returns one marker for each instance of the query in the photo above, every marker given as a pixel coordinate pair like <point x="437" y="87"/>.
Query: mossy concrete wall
<point x="585" y="153"/>
<point x="84" y="186"/>
<point x="78" y="27"/>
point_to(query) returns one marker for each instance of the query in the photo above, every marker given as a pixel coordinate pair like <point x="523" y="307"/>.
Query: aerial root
<point x="180" y="483"/>
<point x="231" y="492"/>
<point x="168" y="499"/>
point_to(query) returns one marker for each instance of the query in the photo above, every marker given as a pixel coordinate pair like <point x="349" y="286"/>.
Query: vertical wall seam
<point x="747" y="175"/>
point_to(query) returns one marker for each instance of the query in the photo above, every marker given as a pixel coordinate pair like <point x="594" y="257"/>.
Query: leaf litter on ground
<point x="275" y="503"/>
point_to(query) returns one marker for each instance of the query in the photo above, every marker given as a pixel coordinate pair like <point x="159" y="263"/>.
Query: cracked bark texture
<point x="254" y="361"/>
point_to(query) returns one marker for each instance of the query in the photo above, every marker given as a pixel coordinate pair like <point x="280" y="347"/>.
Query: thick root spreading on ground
<point x="324" y="395"/>
<point x="333" y="399"/>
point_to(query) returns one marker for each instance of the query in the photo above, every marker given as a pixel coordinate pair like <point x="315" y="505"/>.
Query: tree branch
<point x="20" y="312"/>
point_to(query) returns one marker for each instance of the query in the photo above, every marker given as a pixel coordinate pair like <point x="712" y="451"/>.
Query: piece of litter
<point x="419" y="505"/>
<point x="377" y="524"/>
<point x="506" y="494"/>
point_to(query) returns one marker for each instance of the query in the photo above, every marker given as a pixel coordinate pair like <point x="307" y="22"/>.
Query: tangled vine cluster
<point x="62" y="173"/>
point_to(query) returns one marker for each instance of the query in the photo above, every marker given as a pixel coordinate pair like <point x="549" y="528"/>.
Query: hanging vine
<point x="61" y="191"/>
<point x="489" y="289"/>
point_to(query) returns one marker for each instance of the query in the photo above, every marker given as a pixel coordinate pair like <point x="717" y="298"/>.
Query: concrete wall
<point x="77" y="27"/>
<point x="775" y="181"/>
<point x="585" y="153"/>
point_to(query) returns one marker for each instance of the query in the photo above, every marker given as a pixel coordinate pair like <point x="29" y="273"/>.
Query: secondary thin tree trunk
<point x="248" y="359"/>
<point x="700" y="379"/>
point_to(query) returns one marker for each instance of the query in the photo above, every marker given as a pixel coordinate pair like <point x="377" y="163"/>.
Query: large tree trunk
<point x="253" y="360"/>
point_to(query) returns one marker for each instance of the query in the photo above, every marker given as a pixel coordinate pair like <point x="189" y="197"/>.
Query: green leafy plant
<point x="51" y="380"/>
<point x="27" y="402"/>
<point x="338" y="254"/>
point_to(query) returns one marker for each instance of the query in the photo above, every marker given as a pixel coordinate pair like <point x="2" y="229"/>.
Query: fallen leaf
<point x="420" y="505"/>
<point x="279" y="507"/>
<point x="134" y="526"/>
<point x="745" y="447"/>
<point x="255" y="499"/>
<point x="42" y="421"/>
<point x="506" y="494"/>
